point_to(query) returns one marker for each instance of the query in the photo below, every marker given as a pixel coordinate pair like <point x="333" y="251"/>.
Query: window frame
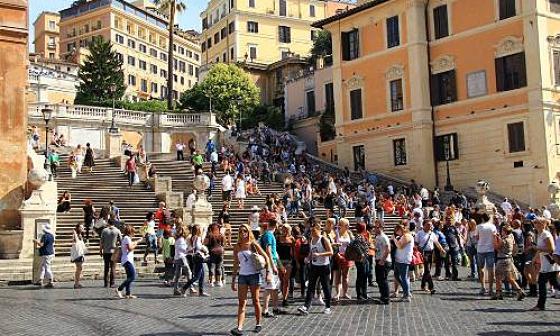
<point x="507" y="138"/>
<point x="442" y="142"/>
<point x="354" y="116"/>
<point x="391" y="100"/>
<point x="348" y="53"/>
<point x="389" y="35"/>
<point x="253" y="24"/>
<point x="436" y="88"/>
<point x="399" y="161"/>
<point x="499" y="16"/>
<point x="507" y="84"/>
<point x="284" y="34"/>
<point x="435" y="30"/>
<point x="356" y="163"/>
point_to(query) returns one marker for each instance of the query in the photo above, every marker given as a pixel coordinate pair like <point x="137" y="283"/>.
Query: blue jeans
<point x="130" y="277"/>
<point x="401" y="273"/>
<point x="198" y="275"/>
<point x="362" y="269"/>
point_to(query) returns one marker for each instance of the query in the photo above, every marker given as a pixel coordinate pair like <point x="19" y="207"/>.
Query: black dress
<point x="88" y="159"/>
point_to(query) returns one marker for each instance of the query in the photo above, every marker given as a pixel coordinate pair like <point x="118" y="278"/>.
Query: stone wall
<point x="13" y="109"/>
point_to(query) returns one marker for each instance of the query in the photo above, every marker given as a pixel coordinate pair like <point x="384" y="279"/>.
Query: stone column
<point x="13" y="110"/>
<point x="113" y="143"/>
<point x="420" y="144"/>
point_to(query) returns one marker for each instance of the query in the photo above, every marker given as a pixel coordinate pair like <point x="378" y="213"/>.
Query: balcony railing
<point x="104" y="115"/>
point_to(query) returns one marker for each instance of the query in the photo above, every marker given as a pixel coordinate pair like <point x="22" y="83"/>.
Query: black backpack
<point x="357" y="249"/>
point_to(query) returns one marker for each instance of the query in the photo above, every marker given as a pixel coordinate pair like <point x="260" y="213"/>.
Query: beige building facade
<point x="47" y="35"/>
<point x="477" y="92"/>
<point x="140" y="37"/>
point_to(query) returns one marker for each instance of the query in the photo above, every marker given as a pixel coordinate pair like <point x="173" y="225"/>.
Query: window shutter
<point x="288" y="35"/>
<point x="500" y="75"/>
<point x="453" y="86"/>
<point x="357" y="43"/>
<point x="345" y="46"/>
<point x="522" y="73"/>
<point x="556" y="61"/>
<point x="435" y="88"/>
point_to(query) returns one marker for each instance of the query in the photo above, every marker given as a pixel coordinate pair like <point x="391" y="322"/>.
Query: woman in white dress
<point x="240" y="191"/>
<point x="79" y="157"/>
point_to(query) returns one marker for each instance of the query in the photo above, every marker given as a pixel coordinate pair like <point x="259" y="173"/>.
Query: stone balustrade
<point x="104" y="115"/>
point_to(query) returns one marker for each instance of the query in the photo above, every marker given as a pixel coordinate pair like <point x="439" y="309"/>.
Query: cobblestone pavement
<point x="454" y="310"/>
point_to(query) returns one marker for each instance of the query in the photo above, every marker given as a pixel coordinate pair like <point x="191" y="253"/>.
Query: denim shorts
<point x="249" y="280"/>
<point x="487" y="259"/>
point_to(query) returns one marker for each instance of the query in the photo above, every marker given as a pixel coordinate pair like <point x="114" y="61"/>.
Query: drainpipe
<point x="432" y="110"/>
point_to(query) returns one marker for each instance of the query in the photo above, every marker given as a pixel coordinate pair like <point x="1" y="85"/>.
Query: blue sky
<point x="189" y="19"/>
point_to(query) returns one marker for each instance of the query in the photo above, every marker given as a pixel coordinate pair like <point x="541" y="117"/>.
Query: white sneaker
<point x="211" y="284"/>
<point x="319" y="301"/>
<point x="220" y="284"/>
<point x="327" y="311"/>
<point x="303" y="310"/>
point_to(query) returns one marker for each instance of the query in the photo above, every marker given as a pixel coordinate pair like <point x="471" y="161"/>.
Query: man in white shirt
<point x="214" y="161"/>
<point x="180" y="148"/>
<point x="425" y="195"/>
<point x="426" y="241"/>
<point x="307" y="196"/>
<point x="382" y="262"/>
<point x="227" y="187"/>
<point x="486" y="234"/>
<point x="506" y="207"/>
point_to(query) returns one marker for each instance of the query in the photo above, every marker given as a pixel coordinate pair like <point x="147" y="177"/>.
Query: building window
<point x="312" y="10"/>
<point x="310" y="101"/>
<point x="142" y="64"/>
<point x="252" y="27"/>
<point x="182" y="80"/>
<point x="441" y="22"/>
<point x="556" y="66"/>
<point x="131" y="80"/>
<point x="314" y="34"/>
<point x="393" y="38"/>
<point x="191" y="69"/>
<point x="444" y="88"/>
<point x="163" y="57"/>
<point x="153" y="52"/>
<point x="356" y="104"/>
<point x="447" y="147"/>
<point x="144" y="85"/>
<point x="231" y="54"/>
<point x="510" y="72"/>
<point x="223" y="33"/>
<point x="359" y="155"/>
<point x="350" y="45"/>
<point x="282" y="8"/>
<point x="163" y="73"/>
<point x="507" y="9"/>
<point x="284" y="34"/>
<point x="516" y="137"/>
<point x="153" y="69"/>
<point x="51" y="55"/>
<point x="131" y="60"/>
<point x="196" y="72"/>
<point x="181" y="50"/>
<point x="119" y="39"/>
<point x="231" y="27"/>
<point x="209" y="43"/>
<point x="154" y="87"/>
<point x="120" y="57"/>
<point x="142" y="48"/>
<point x="554" y="6"/>
<point x="399" y="152"/>
<point x="131" y="44"/>
<point x="196" y="57"/>
<point x="253" y="52"/>
<point x="203" y="47"/>
<point x="52" y="25"/>
<point x="329" y="98"/>
<point x="252" y="3"/>
<point x="396" y="91"/>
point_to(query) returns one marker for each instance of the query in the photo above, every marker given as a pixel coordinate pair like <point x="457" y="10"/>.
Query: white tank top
<point x="246" y="265"/>
<point x="404" y="255"/>
<point x="344" y="241"/>
<point x="318" y="248"/>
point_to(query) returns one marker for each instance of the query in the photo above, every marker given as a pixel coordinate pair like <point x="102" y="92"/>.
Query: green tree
<point x="101" y="70"/>
<point x="231" y="90"/>
<point x="322" y="45"/>
<point x="271" y="116"/>
<point x="170" y="8"/>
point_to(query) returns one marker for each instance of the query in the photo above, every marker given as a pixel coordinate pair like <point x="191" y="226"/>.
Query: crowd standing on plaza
<point x="509" y="251"/>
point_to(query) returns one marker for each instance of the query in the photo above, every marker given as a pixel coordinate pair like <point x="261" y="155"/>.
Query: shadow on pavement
<point x="517" y="333"/>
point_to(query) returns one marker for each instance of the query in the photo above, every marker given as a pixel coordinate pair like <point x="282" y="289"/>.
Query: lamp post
<point x="113" y="129"/>
<point x="209" y="95"/>
<point x="448" y="185"/>
<point x="238" y="101"/>
<point x="47" y="115"/>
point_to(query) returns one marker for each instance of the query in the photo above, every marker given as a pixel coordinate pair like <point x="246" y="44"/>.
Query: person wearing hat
<point x="46" y="252"/>
<point x="254" y="221"/>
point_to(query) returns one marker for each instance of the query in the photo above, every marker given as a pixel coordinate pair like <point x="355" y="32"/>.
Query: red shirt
<point x="160" y="216"/>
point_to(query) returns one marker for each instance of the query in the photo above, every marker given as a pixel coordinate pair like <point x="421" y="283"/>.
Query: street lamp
<point x="448" y="185"/>
<point x="113" y="129"/>
<point x="238" y="101"/>
<point x="47" y="115"/>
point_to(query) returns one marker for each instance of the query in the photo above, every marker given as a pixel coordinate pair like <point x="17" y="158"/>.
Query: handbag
<point x="258" y="260"/>
<point x="417" y="257"/>
<point x="465" y="260"/>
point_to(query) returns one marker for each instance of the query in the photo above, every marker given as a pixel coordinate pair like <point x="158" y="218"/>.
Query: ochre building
<point x="140" y="37"/>
<point x="473" y="83"/>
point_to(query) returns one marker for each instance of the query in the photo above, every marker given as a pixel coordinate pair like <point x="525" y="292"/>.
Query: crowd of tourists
<point x="286" y="246"/>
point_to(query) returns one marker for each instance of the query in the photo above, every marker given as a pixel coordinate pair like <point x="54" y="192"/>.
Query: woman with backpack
<point x="246" y="275"/>
<point x="319" y="260"/>
<point x="343" y="238"/>
<point x="215" y="244"/>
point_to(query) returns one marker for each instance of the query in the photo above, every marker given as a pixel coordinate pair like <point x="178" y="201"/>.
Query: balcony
<point x="51" y="46"/>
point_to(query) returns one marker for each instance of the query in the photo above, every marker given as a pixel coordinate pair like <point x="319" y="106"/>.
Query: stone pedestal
<point x="113" y="142"/>
<point x="172" y="199"/>
<point x="202" y="214"/>
<point x="185" y="214"/>
<point x="161" y="184"/>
